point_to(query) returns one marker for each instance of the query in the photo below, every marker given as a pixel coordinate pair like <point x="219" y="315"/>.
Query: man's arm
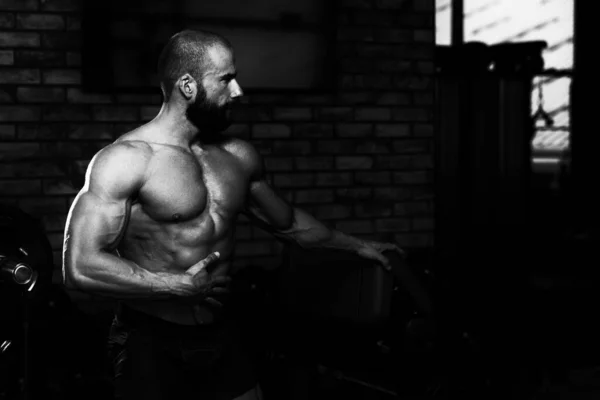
<point x="95" y="224"/>
<point x="271" y="212"/>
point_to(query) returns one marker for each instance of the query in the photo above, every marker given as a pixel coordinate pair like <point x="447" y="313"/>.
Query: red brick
<point x="80" y="167"/>
<point x="19" y="39"/>
<point x="414" y="240"/>
<point x="54" y="222"/>
<point x="357" y="98"/>
<point x="413" y="209"/>
<point x="13" y="76"/>
<point x="355" y="226"/>
<point x="33" y="94"/>
<point x="315" y="130"/>
<point x="20" y="187"/>
<point x="412" y="114"/>
<point x="148" y="113"/>
<point x="353" y="162"/>
<point x="422" y="161"/>
<point x="39" y="58"/>
<point x="62" y="77"/>
<point x="393" y="99"/>
<point x="388" y="35"/>
<point x="66" y="113"/>
<point x="243" y="232"/>
<point x="91" y="131"/>
<point x="7" y="95"/>
<point x="115" y="113"/>
<point x="314" y="99"/>
<point x="278" y="163"/>
<point x="391" y="193"/>
<point x="372" y="178"/>
<point x="19" y="5"/>
<point x="291" y="147"/>
<point x="76" y="95"/>
<point x="346" y="82"/>
<point x="372" y="209"/>
<point x="313" y="196"/>
<point x="62" y="40"/>
<point x="393" y="66"/>
<point x="393" y="162"/>
<point x="372" y="147"/>
<point x="412" y="177"/>
<point x="56" y="240"/>
<point x="43" y="131"/>
<point x="392" y="225"/>
<point x="292" y="114"/>
<point x="422" y="192"/>
<point x="71" y="150"/>
<point x="271" y="131"/>
<point x="423" y="224"/>
<point x="293" y="180"/>
<point x="7" y="132"/>
<point x="335" y="146"/>
<point x="59" y="186"/>
<point x="392" y="130"/>
<point x="412" y="146"/>
<point x="31" y="169"/>
<point x="266" y="98"/>
<point x="332" y="179"/>
<point x="40" y="206"/>
<point x="313" y="163"/>
<point x="251" y="114"/>
<point x="332" y="211"/>
<point x="354" y="130"/>
<point x="353" y="194"/>
<point x="40" y="21"/>
<point x="19" y="113"/>
<point x="412" y="82"/>
<point x="423" y="98"/>
<point x="7" y="57"/>
<point x="73" y="23"/>
<point x="378" y="50"/>
<point x="154" y="99"/>
<point x="335" y="113"/>
<point x="7" y="21"/>
<point x="423" y="130"/>
<point x="425" y="67"/>
<point x="73" y="59"/>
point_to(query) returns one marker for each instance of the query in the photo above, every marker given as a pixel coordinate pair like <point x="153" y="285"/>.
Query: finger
<point x="220" y="281"/>
<point x="401" y="252"/>
<point x="219" y="290"/>
<point x="213" y="302"/>
<point x="201" y="265"/>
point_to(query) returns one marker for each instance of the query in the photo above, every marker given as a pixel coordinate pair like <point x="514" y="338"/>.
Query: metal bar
<point x="458" y="23"/>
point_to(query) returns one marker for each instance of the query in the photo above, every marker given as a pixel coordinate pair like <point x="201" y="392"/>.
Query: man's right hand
<point x="199" y="286"/>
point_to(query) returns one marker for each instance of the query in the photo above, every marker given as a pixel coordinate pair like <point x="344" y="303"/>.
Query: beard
<point x="211" y="119"/>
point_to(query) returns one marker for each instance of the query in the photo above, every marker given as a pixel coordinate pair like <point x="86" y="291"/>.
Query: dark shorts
<point x="155" y="359"/>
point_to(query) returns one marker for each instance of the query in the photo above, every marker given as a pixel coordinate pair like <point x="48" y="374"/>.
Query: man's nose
<point x="236" y="90"/>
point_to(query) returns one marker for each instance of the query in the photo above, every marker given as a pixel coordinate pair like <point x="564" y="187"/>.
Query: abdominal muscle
<point x="180" y="259"/>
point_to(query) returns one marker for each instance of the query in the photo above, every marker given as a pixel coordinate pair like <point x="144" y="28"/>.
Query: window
<point x="497" y="21"/>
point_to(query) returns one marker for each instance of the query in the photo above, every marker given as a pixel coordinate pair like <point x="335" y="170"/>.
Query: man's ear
<point x="188" y="87"/>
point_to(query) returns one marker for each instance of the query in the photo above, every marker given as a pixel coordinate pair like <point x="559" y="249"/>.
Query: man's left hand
<point x="374" y="251"/>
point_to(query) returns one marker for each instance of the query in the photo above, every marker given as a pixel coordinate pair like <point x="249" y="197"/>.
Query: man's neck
<point x="175" y="127"/>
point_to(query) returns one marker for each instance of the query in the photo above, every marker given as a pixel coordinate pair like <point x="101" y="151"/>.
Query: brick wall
<point x="360" y="159"/>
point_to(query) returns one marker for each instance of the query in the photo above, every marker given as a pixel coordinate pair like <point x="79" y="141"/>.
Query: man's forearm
<point x="308" y="232"/>
<point x="108" y="275"/>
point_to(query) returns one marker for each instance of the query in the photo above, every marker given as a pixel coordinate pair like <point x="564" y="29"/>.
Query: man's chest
<point x="181" y="187"/>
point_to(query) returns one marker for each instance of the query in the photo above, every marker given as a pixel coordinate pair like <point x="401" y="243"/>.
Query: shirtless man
<point x="153" y="226"/>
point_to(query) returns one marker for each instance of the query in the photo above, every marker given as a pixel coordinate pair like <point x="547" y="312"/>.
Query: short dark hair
<point x="185" y="52"/>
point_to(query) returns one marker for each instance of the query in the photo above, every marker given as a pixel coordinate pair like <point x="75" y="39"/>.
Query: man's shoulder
<point x="245" y="152"/>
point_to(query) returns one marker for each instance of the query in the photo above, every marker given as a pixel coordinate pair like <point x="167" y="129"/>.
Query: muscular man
<point x="153" y="226"/>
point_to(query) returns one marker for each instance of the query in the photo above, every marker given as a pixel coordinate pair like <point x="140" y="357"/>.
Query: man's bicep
<point x="269" y="206"/>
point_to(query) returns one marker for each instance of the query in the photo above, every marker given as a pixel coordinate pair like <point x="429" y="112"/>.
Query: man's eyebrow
<point x="231" y="75"/>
